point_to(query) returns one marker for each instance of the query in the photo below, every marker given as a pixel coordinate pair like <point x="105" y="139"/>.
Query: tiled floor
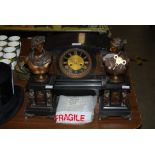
<point x="141" y="42"/>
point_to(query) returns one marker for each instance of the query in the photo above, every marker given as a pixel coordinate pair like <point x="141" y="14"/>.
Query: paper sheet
<point x="75" y="109"/>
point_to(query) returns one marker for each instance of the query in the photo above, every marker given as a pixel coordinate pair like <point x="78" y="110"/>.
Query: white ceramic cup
<point x="6" y="61"/>
<point x="14" y="44"/>
<point x="9" y="49"/>
<point x="3" y="37"/>
<point x="9" y="55"/>
<point x="14" y="38"/>
<point x="1" y="54"/>
<point x="3" y="43"/>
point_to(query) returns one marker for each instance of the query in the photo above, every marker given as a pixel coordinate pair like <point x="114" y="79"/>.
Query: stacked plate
<point x="10" y="48"/>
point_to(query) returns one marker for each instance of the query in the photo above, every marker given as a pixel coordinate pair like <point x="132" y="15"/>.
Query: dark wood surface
<point x="19" y="121"/>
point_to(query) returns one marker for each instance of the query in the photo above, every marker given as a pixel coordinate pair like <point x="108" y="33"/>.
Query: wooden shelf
<point x="65" y="28"/>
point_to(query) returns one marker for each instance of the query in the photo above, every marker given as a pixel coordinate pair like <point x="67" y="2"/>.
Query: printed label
<point x="49" y="86"/>
<point x="76" y="44"/>
<point x="125" y="87"/>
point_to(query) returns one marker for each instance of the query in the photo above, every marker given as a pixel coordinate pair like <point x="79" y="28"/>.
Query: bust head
<point x="38" y="44"/>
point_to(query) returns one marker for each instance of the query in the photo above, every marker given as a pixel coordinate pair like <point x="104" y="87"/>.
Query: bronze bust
<point x="38" y="62"/>
<point x="39" y="59"/>
<point x="116" y="66"/>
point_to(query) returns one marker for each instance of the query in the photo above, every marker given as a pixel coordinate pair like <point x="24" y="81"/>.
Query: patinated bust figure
<point x="38" y="60"/>
<point x="116" y="65"/>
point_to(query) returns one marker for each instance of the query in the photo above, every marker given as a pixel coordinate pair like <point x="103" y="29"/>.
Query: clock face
<point x="75" y="63"/>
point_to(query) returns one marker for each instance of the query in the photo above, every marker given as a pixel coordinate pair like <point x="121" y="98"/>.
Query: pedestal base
<point x="123" y="110"/>
<point x="42" y="100"/>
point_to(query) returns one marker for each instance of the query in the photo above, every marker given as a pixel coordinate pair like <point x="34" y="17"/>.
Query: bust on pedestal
<point x="39" y="85"/>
